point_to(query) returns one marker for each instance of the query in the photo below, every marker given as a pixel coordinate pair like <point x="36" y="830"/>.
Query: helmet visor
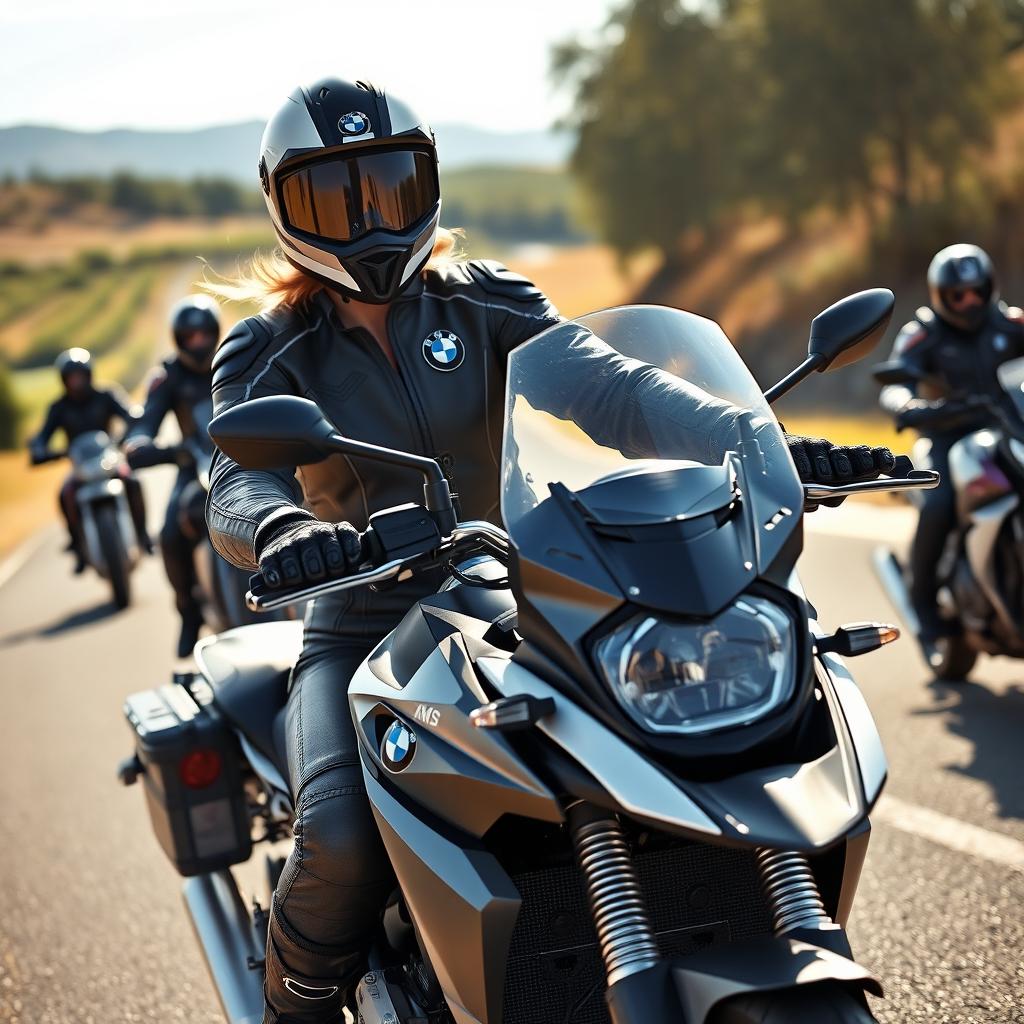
<point x="344" y="197"/>
<point x="965" y="299"/>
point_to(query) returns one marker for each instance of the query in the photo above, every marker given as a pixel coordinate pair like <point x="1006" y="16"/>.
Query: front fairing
<point x="93" y="457"/>
<point x="643" y="470"/>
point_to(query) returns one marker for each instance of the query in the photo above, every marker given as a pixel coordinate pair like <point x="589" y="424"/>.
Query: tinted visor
<point x="344" y="197"/>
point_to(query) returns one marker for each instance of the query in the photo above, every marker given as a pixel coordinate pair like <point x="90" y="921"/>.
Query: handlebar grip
<point x="369" y="557"/>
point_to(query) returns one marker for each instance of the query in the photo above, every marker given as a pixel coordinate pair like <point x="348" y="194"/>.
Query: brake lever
<point x="915" y="480"/>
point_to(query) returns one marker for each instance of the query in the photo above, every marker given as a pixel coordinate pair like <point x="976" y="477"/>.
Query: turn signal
<point x="857" y="638"/>
<point x="199" y="768"/>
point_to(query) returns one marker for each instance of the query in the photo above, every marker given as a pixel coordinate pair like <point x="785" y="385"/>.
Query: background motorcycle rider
<point x="402" y="345"/>
<point x="82" y="409"/>
<point x="954" y="345"/>
<point x="181" y="383"/>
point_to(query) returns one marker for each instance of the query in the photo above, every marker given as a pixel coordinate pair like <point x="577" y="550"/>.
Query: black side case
<point x="200" y="829"/>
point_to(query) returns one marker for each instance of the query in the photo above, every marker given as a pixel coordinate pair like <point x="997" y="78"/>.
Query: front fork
<point x="626" y="936"/>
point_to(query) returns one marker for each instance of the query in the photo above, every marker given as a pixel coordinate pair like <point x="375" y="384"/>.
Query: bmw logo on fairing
<point x="398" y="746"/>
<point x="354" y="123"/>
<point x="444" y="351"/>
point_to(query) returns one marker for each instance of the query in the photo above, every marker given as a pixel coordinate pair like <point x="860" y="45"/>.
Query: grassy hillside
<point x="515" y="203"/>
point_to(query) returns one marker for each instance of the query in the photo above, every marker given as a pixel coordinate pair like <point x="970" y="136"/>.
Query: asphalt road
<point x="91" y="926"/>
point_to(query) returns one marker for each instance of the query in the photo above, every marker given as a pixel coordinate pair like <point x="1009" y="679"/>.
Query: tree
<point x="877" y="101"/>
<point x="689" y="116"/>
<point x="659" y="115"/>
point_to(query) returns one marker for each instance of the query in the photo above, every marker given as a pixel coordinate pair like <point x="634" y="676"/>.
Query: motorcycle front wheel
<point x="114" y="554"/>
<point x="807" y="1004"/>
<point x="953" y="659"/>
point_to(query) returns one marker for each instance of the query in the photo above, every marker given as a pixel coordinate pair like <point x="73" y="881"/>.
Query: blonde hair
<point x="271" y="281"/>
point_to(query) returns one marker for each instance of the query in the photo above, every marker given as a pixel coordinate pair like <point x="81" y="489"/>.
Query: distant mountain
<point x="230" y="150"/>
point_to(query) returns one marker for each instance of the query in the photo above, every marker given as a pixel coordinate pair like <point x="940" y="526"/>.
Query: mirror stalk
<point x="816" y="362"/>
<point x="840" y="335"/>
<point x="437" y="496"/>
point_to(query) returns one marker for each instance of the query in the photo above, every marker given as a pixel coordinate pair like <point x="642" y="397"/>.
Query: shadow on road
<point x="65" y="624"/>
<point x="994" y="723"/>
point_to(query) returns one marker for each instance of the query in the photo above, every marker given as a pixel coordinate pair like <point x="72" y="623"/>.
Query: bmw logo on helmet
<point x="398" y="746"/>
<point x="444" y="351"/>
<point x="354" y="123"/>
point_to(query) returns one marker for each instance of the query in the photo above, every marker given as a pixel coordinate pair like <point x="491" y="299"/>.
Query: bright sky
<point x="147" y="64"/>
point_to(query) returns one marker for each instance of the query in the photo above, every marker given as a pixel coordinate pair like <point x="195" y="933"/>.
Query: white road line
<point x="950" y="832"/>
<point x="17" y="560"/>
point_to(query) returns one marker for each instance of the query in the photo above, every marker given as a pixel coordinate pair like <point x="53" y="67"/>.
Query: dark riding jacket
<point x="953" y="364"/>
<point x="95" y="411"/>
<point x="173" y="387"/>
<point x="451" y="334"/>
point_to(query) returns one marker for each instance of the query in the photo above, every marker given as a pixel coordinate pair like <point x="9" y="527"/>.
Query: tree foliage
<point x="688" y="115"/>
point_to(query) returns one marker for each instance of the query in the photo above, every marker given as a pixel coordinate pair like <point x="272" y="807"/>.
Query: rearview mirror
<point x="276" y="432"/>
<point x="850" y="328"/>
<point x="840" y="335"/>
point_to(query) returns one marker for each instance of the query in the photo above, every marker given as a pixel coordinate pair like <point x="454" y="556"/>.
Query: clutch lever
<point x="261" y="598"/>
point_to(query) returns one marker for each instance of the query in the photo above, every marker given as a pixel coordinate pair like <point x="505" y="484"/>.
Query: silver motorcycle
<point x="981" y="573"/>
<point x="111" y="545"/>
<point x="620" y="772"/>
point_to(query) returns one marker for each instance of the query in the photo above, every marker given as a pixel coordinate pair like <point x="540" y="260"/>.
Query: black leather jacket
<point x="957" y="364"/>
<point x="451" y="334"/>
<point x="76" y="416"/>
<point x="173" y="387"/>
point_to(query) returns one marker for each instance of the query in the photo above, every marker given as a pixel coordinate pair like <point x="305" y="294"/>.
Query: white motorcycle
<point x="109" y="538"/>
<point x="981" y="572"/>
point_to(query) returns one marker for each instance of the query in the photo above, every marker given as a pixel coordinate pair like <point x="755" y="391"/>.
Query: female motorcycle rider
<point x="371" y="316"/>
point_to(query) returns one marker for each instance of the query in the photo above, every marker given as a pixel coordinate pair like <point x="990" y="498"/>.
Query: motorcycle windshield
<point x="629" y="408"/>
<point x="90" y="445"/>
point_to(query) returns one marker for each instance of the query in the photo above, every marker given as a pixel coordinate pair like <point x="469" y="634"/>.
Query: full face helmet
<point x="195" y="325"/>
<point x="349" y="174"/>
<point x="962" y="285"/>
<point x="75" y="368"/>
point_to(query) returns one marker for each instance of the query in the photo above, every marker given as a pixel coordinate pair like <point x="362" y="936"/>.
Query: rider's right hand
<point x="920" y="412"/>
<point x="309" y="551"/>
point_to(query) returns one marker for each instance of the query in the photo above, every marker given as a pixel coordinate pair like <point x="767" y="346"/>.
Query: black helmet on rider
<point x="962" y="285"/>
<point x="195" y="324"/>
<point x="349" y="174"/>
<point x="75" y="368"/>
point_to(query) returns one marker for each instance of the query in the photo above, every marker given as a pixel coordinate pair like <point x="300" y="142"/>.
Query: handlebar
<point x="261" y="598"/>
<point x="144" y="456"/>
<point x="40" y="459"/>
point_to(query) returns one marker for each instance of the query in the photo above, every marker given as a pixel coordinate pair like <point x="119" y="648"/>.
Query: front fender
<point x="697" y="983"/>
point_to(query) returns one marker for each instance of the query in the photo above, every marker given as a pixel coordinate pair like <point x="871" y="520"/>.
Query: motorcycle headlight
<point x="696" y="677"/>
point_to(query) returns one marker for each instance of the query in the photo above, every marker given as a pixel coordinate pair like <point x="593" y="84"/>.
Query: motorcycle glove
<point x="819" y="461"/>
<point x="308" y="551"/>
<point x="920" y="412"/>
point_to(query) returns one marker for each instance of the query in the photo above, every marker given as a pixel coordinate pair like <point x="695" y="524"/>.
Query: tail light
<point x="200" y="768"/>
